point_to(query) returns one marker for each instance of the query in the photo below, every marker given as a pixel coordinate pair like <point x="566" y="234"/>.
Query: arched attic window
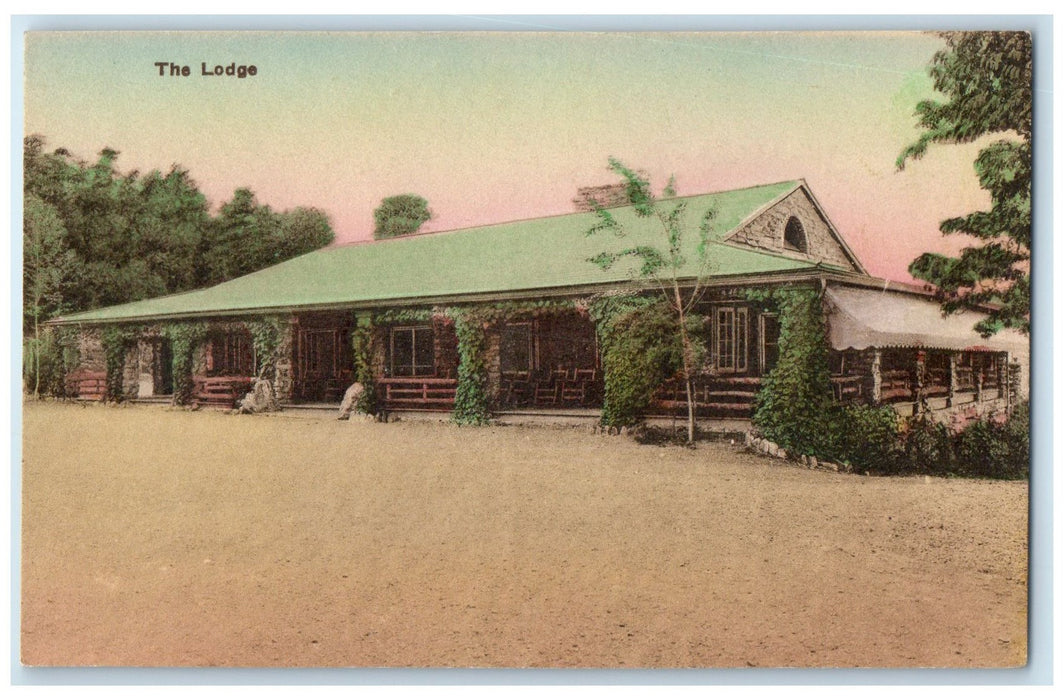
<point x="794" y="236"/>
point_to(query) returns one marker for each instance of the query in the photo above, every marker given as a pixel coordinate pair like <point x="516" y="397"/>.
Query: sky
<point x="493" y="127"/>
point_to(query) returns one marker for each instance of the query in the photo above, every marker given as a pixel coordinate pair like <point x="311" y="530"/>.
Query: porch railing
<point x="417" y="392"/>
<point x="87" y="385"/>
<point x="718" y="396"/>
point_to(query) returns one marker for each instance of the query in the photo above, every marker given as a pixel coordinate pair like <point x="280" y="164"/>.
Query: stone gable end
<point x="766" y="232"/>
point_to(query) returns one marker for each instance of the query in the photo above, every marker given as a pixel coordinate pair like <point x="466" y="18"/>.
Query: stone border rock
<point x="770" y="449"/>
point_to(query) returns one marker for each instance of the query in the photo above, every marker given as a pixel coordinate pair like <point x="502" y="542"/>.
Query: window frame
<point x="763" y="338"/>
<point x="530" y="329"/>
<point x="230" y="354"/>
<point x="417" y="369"/>
<point x="802" y="246"/>
<point x="731" y="339"/>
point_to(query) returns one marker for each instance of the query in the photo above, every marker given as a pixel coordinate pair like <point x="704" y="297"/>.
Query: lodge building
<point x="889" y="343"/>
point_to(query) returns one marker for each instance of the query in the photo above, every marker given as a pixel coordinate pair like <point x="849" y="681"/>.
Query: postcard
<point x="524" y="350"/>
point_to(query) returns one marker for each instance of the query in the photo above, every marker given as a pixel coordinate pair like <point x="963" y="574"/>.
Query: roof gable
<point x="766" y="228"/>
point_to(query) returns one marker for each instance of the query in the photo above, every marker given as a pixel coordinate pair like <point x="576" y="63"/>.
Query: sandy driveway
<point x="161" y="537"/>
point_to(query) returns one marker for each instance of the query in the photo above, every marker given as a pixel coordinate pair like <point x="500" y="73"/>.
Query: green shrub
<point x="44" y="366"/>
<point x="926" y="447"/>
<point x="641" y="349"/>
<point x="865" y="437"/>
<point x="996" y="450"/>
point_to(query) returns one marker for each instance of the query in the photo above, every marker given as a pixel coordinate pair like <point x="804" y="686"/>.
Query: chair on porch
<point x="516" y="388"/>
<point x="547" y="390"/>
<point x="577" y="389"/>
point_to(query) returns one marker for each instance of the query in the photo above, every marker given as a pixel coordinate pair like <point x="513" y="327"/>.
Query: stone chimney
<point x="605" y="195"/>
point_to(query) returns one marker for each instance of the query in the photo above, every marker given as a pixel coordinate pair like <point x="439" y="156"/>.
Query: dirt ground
<point x="156" y="537"/>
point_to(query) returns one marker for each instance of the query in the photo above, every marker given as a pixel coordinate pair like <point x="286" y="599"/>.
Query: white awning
<point x="864" y="318"/>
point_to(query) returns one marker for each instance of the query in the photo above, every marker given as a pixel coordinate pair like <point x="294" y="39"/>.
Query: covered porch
<point x="539" y="361"/>
<point x="900" y="350"/>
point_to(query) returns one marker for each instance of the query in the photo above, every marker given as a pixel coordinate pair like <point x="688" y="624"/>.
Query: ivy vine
<point x="471" y="396"/>
<point x="794" y="406"/>
<point x="184" y="337"/>
<point x="393" y="316"/>
<point x="362" y="351"/>
<point x="116" y="341"/>
<point x="640" y="347"/>
<point x="266" y="334"/>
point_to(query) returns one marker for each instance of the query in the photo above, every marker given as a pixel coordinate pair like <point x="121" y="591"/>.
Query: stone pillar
<point x="877" y="378"/>
<point x="492" y="362"/>
<point x="131" y="371"/>
<point x="282" y="373"/>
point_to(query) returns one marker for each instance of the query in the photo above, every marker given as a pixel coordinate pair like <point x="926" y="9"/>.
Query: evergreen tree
<point x="986" y="78"/>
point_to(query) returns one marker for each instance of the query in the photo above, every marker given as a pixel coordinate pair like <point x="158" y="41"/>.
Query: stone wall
<point x="492" y="362"/>
<point x="283" y="378"/>
<point x="766" y="231"/>
<point x="445" y="346"/>
<point x="90" y="350"/>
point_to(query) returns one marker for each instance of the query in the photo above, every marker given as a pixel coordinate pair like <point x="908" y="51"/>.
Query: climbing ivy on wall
<point x="471" y="395"/>
<point x="795" y="403"/>
<point x="116" y="341"/>
<point x="362" y="352"/>
<point x="184" y="337"/>
<point x="393" y="316"/>
<point x="266" y="334"/>
<point x="471" y="325"/>
<point x="640" y="349"/>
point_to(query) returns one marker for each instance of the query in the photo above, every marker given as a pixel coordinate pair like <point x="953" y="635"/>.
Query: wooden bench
<point x="221" y="391"/>
<point x="87" y="385"/>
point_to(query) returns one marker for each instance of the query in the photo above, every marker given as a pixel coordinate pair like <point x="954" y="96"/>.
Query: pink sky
<point x="503" y="126"/>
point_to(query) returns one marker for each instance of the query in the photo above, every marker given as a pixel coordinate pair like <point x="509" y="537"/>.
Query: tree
<point x="94" y="236"/>
<point x="400" y="215"/>
<point x="48" y="266"/>
<point x="986" y="78"/>
<point x="662" y="265"/>
<point x="247" y="236"/>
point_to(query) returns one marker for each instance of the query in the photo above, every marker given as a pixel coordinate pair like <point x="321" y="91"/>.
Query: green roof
<point x="509" y="259"/>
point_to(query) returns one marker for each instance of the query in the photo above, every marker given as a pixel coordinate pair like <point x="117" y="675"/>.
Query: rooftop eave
<point x="806" y="275"/>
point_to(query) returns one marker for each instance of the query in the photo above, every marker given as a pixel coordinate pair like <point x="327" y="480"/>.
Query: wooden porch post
<point x="1003" y="375"/>
<point x="877" y="377"/>
<point x="952" y="379"/>
<point x="918" y="381"/>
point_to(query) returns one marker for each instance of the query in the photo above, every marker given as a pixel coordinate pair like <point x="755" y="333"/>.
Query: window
<point x="770" y="342"/>
<point x="515" y="348"/>
<point x="231" y="354"/>
<point x="413" y="352"/>
<point x="319" y="351"/>
<point x="731" y="339"/>
<point x="794" y="236"/>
